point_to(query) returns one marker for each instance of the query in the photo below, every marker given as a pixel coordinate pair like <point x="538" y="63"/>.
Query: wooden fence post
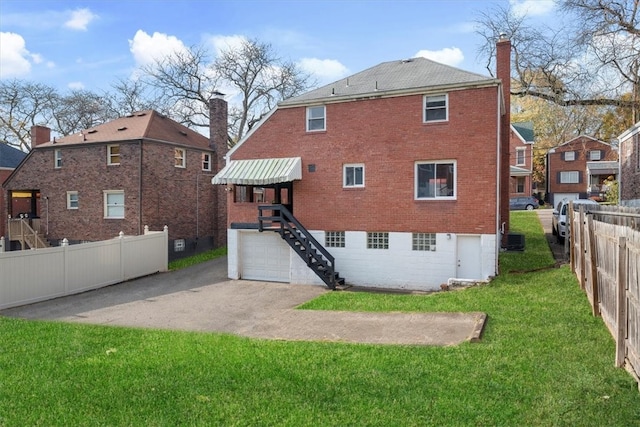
<point x="582" y="247"/>
<point x="594" y="267"/>
<point x="621" y="305"/>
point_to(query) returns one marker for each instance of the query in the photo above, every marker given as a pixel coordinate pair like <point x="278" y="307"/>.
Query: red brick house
<point x="521" y="154"/>
<point x="394" y="177"/>
<point x="142" y="169"/>
<point x="10" y="158"/>
<point x="577" y="169"/>
<point x="629" y="146"/>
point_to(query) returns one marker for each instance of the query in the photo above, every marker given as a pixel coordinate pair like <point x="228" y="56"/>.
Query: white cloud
<point x="531" y="7"/>
<point x="80" y="19"/>
<point x="76" y="85"/>
<point x="449" y="55"/>
<point x="14" y="57"/>
<point x="325" y="70"/>
<point x="148" y="49"/>
<point x="225" y="43"/>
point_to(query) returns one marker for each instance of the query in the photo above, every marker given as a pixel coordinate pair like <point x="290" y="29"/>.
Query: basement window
<point x="424" y="242"/>
<point x="378" y="240"/>
<point x="334" y="239"/>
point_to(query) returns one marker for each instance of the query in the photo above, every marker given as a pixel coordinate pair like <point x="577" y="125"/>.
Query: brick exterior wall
<point x="388" y="136"/>
<point x="219" y="142"/>
<point x="630" y="168"/>
<point x="515" y="143"/>
<point x="581" y="147"/>
<point x="4" y="173"/>
<point x="156" y="192"/>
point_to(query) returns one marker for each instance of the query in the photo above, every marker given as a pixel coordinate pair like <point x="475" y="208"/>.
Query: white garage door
<point x="264" y="256"/>
<point x="557" y="197"/>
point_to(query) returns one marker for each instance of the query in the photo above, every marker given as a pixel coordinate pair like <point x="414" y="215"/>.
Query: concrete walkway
<point x="201" y="298"/>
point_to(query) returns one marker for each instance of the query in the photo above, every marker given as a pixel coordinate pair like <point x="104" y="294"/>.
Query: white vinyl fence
<point x="36" y="275"/>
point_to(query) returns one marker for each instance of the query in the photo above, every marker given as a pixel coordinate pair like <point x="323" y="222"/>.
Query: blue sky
<point x="90" y="44"/>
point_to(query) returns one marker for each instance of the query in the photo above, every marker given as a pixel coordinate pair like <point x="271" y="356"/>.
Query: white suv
<point x="559" y="219"/>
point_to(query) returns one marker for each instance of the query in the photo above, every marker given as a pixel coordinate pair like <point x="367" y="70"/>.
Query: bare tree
<point x="592" y="61"/>
<point x="187" y="80"/>
<point x="131" y="95"/>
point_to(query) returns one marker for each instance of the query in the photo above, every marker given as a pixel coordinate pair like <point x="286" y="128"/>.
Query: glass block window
<point x="424" y="242"/>
<point x="377" y="240"/>
<point x="334" y="239"/>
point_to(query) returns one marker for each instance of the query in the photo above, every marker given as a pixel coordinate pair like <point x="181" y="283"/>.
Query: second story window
<point x="72" y="200"/>
<point x="180" y="157"/>
<point x="569" y="156"/>
<point x="206" y="161"/>
<point x="353" y="175"/>
<point x="436" y="108"/>
<point x="113" y="154"/>
<point x="316" y="118"/>
<point x="595" y="155"/>
<point x="57" y="159"/>
<point x="520" y="156"/>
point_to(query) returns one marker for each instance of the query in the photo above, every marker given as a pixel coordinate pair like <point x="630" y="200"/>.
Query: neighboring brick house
<point x="578" y="169"/>
<point x="629" y="146"/>
<point x="140" y="170"/>
<point x="521" y="155"/>
<point x="399" y="172"/>
<point x="10" y="158"/>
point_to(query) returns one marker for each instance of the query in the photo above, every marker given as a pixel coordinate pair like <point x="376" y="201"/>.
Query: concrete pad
<point x="179" y="301"/>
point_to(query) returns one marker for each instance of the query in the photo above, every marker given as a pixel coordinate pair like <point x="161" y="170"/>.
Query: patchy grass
<point x="536" y="254"/>
<point x="198" y="258"/>
<point x="544" y="360"/>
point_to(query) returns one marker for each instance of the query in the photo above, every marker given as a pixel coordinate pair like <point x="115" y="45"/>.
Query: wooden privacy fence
<point x="605" y="256"/>
<point x="37" y="275"/>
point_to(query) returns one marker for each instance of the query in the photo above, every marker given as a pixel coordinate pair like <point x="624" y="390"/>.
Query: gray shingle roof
<point x="10" y="157"/>
<point x="393" y="76"/>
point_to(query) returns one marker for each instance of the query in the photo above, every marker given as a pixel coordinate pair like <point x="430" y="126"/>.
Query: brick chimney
<point x="218" y="142"/>
<point x="503" y="72"/>
<point x="40" y="135"/>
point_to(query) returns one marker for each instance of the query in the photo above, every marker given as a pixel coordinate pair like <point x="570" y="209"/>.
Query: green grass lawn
<point x="543" y="360"/>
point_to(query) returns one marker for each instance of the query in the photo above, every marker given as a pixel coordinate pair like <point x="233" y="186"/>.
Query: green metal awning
<point x="259" y="171"/>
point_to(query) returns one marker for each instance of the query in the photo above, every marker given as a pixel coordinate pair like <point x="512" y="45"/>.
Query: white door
<point x="264" y="256"/>
<point x="469" y="262"/>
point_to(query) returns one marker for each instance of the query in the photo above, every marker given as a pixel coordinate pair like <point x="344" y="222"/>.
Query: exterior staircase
<point x="301" y="241"/>
<point x="21" y="230"/>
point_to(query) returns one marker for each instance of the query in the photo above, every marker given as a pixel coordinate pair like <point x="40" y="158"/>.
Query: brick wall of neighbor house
<point x="581" y="146"/>
<point x="388" y="145"/>
<point x="630" y="168"/>
<point x="4" y="173"/>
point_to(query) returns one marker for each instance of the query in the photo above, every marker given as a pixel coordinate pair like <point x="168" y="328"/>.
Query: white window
<point x="334" y="239"/>
<point x="72" y="200"/>
<point x="436" y="108"/>
<point x="569" y="177"/>
<point x="114" y="203"/>
<point x="595" y="155"/>
<point x="353" y="175"/>
<point x="180" y="157"/>
<point x="113" y="154"/>
<point x="424" y="242"/>
<point x="569" y="156"/>
<point x="520" y="156"/>
<point x="316" y="118"/>
<point x="377" y="240"/>
<point x="435" y="180"/>
<point x="57" y="159"/>
<point x="206" y="161"/>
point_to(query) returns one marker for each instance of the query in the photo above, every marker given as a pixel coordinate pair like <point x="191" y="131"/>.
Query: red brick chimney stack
<point x="503" y="72"/>
<point x="40" y="135"/>
<point x="219" y="144"/>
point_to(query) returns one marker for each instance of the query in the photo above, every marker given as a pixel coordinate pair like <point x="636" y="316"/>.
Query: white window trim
<point x="57" y="159"/>
<point x="208" y="168"/>
<point x="344" y="175"/>
<point x="565" y="174"/>
<point x="106" y="207"/>
<point x="522" y="150"/>
<point x="436" y="162"/>
<point x="69" y="194"/>
<point x="446" y="108"/>
<point x="110" y="155"/>
<point x="573" y="153"/>
<point x="324" y="117"/>
<point x="183" y="157"/>
<point x="591" y="155"/>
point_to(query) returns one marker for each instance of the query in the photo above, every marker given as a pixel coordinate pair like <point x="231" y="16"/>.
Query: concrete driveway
<point x="201" y="298"/>
<point x="557" y="248"/>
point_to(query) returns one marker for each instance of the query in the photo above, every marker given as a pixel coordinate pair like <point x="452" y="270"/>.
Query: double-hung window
<point x="316" y="118"/>
<point x="353" y="175"/>
<point x="569" y="177"/>
<point x="114" y="204"/>
<point x="72" y="200"/>
<point x="520" y="156"/>
<point x="435" y="180"/>
<point x="436" y="108"/>
<point x="180" y="156"/>
<point x="57" y="159"/>
<point x="595" y="155"/>
<point x="206" y="161"/>
<point x="569" y="156"/>
<point x="113" y="154"/>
